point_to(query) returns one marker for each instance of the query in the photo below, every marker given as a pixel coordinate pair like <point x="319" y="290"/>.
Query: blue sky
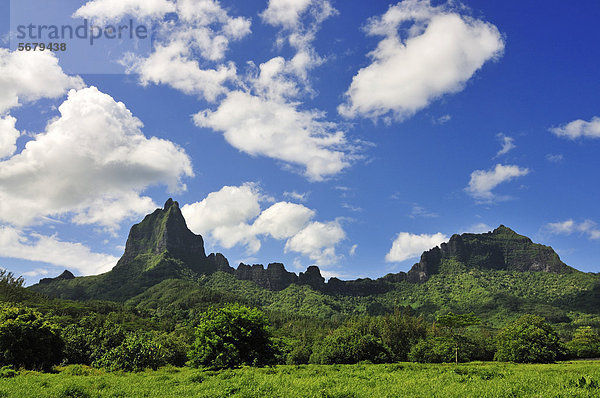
<point x="351" y="135"/>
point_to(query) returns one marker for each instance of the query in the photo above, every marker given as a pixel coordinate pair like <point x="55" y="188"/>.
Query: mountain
<point x="158" y="248"/>
<point x="496" y="274"/>
<point x="501" y="249"/>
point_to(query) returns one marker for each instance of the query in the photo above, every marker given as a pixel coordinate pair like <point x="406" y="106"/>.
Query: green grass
<point x="567" y="379"/>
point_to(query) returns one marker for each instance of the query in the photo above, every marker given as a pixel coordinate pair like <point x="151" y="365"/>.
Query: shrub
<point x="232" y="336"/>
<point x="27" y="340"/>
<point x="399" y="332"/>
<point x="530" y="339"/>
<point x="87" y="341"/>
<point x="585" y="343"/>
<point x="348" y="345"/>
<point x="299" y="355"/>
<point x="174" y="348"/>
<point x="137" y="352"/>
<point x="435" y="349"/>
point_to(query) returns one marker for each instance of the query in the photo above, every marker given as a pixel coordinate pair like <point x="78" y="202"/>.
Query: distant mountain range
<point x="162" y="247"/>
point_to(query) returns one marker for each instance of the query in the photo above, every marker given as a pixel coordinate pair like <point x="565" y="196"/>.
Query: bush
<point x="27" y="340"/>
<point x="348" y="345"/>
<point x="299" y="355"/>
<point x="136" y="353"/>
<point x="530" y="339"/>
<point x="232" y="336"/>
<point x="435" y="349"/>
<point x="399" y="333"/>
<point x="174" y="348"/>
<point x="87" y="341"/>
<point x="585" y="343"/>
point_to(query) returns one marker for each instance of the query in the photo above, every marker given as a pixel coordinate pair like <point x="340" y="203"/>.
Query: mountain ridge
<point x="162" y="247"/>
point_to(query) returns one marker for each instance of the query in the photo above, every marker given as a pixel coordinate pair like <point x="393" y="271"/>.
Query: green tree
<point x="399" y="332"/>
<point x="434" y="349"/>
<point x="585" y="343"/>
<point x="349" y="345"/>
<point x="27" y="340"/>
<point x="11" y="287"/>
<point x="137" y="352"/>
<point x="88" y="340"/>
<point x="529" y="339"/>
<point x="455" y="325"/>
<point x="232" y="336"/>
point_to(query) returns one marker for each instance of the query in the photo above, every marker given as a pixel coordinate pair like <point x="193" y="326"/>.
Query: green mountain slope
<point x="158" y="248"/>
<point x="498" y="275"/>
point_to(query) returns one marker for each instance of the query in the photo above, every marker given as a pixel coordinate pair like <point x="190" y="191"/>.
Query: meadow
<point x="476" y="379"/>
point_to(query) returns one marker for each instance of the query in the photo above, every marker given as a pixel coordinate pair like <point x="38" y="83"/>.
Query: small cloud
<point x="300" y="197"/>
<point x="555" y="158"/>
<point x="507" y="144"/>
<point x="483" y="182"/>
<point x="396" y="196"/>
<point x="409" y="245"/>
<point x="579" y="129"/>
<point x="353" y="250"/>
<point x="479" y="228"/>
<point x="418" y="211"/>
<point x="352" y="208"/>
<point x="587" y="228"/>
<point x="36" y="272"/>
<point x="442" y="119"/>
<point x="333" y="274"/>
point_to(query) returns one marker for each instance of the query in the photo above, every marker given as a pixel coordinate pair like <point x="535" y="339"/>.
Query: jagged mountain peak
<point x="164" y="230"/>
<point x="501" y="249"/>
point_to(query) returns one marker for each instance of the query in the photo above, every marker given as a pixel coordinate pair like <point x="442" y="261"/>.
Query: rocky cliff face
<point x="164" y="232"/>
<point x="501" y="249"/>
<point x="275" y="277"/>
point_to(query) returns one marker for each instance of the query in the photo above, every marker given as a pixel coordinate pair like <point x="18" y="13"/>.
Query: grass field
<point x="567" y="379"/>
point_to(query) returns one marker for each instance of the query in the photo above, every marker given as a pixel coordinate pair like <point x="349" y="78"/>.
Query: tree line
<point x="39" y="333"/>
<point x="236" y="335"/>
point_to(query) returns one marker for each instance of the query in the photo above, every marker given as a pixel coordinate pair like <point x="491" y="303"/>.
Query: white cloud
<point x="579" y="129"/>
<point x="567" y="227"/>
<point x="419" y="211"/>
<point x="483" y="182"/>
<point x="442" y="50"/>
<point x="299" y="197"/>
<point x="409" y="245"/>
<point x="442" y="119"/>
<point x="26" y="76"/>
<point x="203" y="28"/>
<point x="283" y="220"/>
<point x="172" y="65"/>
<point x="285" y="13"/>
<point x="300" y="20"/>
<point x="317" y="241"/>
<point x="93" y="162"/>
<point x="507" y="144"/>
<point x="555" y="158"/>
<point x="259" y="126"/>
<point x="479" y="228"/>
<point x="51" y="250"/>
<point x="353" y="250"/>
<point x="8" y="136"/>
<point x="224" y="214"/>
<point x="233" y="216"/>
<point x="114" y="10"/>
<point x="36" y="272"/>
